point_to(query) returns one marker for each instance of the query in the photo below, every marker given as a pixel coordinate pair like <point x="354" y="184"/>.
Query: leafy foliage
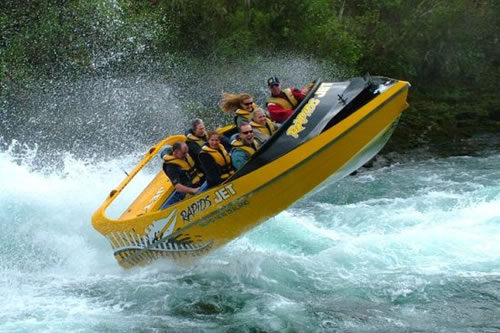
<point x="448" y="49"/>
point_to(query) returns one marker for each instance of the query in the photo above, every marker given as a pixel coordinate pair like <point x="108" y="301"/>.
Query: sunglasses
<point x="247" y="104"/>
<point x="247" y="132"/>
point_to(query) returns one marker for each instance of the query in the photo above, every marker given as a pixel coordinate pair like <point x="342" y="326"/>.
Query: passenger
<point x="196" y="139"/>
<point x="243" y="147"/>
<point x="240" y="106"/>
<point x="215" y="161"/>
<point x="283" y="102"/>
<point x="181" y="171"/>
<point x="263" y="127"/>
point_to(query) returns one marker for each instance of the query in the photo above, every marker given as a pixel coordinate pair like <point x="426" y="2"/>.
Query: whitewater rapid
<point x="411" y="245"/>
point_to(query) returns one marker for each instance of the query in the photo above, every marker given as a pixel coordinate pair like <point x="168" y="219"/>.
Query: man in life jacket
<point x="243" y="147"/>
<point x="283" y="102"/>
<point x="181" y="171"/>
<point x="263" y="127"/>
<point x="196" y="138"/>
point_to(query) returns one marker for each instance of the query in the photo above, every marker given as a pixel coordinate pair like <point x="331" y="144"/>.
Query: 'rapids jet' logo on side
<point x="300" y="121"/>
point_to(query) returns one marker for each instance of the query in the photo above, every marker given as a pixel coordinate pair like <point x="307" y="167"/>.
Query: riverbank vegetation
<point x="448" y="50"/>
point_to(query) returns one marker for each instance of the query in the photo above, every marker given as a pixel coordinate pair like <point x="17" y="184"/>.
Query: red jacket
<point x="280" y="114"/>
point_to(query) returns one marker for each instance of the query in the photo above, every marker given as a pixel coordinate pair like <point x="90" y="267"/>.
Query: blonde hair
<point x="231" y="102"/>
<point x="257" y="110"/>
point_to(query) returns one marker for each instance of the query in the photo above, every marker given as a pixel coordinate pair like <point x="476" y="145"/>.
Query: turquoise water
<point x="410" y="246"/>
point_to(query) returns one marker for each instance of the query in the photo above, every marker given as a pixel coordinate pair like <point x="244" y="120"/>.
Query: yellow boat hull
<point x="213" y="218"/>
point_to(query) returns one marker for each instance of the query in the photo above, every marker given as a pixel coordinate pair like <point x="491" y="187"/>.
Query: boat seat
<point x="165" y="151"/>
<point x="233" y="137"/>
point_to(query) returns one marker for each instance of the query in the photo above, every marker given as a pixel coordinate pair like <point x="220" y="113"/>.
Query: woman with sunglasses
<point x="240" y="106"/>
<point x="215" y="161"/>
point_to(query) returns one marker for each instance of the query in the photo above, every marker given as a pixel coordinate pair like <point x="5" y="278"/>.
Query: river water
<point x="407" y="246"/>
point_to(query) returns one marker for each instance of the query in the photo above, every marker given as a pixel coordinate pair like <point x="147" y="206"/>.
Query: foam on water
<point x="378" y="250"/>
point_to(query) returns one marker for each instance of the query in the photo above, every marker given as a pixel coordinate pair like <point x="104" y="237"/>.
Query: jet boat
<point x="336" y="129"/>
